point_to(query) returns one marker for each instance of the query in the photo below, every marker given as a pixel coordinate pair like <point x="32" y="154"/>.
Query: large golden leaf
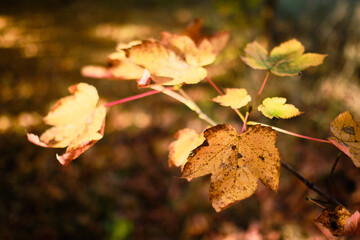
<point x="235" y="163"/>
<point x="78" y="123"/>
<point x="346" y="136"/>
<point x="164" y="65"/>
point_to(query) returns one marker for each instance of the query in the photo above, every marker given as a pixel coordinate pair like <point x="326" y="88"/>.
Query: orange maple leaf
<point x="235" y="162"/>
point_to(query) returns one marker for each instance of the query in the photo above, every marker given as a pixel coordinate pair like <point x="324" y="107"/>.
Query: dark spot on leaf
<point x="233" y="147"/>
<point x="53" y="142"/>
<point x="262" y="158"/>
<point x="127" y="52"/>
<point x="349" y="130"/>
<point x="333" y="225"/>
<point x="333" y="221"/>
<point x="239" y="155"/>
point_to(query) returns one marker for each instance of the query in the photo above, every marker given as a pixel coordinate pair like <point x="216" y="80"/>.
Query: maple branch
<point x="128" y="99"/>
<point x="262" y="86"/>
<point x="289" y="133"/>
<point x="187" y="101"/>
<point x="244" y="125"/>
<point x="221" y="93"/>
<point x="214" y="86"/>
<point x="309" y="184"/>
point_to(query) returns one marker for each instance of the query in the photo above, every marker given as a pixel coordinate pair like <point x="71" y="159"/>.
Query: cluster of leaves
<point x="235" y="161"/>
<point x="175" y="59"/>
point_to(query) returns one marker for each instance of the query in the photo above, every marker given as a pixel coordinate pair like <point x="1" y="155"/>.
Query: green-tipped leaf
<point x="287" y="59"/>
<point x="256" y="56"/>
<point x="276" y="107"/>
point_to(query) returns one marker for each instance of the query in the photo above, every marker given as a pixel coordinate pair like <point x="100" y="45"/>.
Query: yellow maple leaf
<point x="78" y="123"/>
<point x="275" y="107"/>
<point x="235" y="162"/>
<point x="186" y="140"/>
<point x="234" y="98"/>
<point x="164" y="65"/>
<point x="346" y="136"/>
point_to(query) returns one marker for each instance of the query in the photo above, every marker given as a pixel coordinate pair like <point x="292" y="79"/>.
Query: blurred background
<point x="122" y="188"/>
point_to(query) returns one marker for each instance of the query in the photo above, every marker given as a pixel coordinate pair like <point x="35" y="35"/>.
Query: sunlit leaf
<point x="276" y="108"/>
<point x="235" y="162"/>
<point x="78" y="123"/>
<point x="234" y="98"/>
<point x="186" y="140"/>
<point x="287" y="59"/>
<point x="346" y="136"/>
<point x="164" y="65"/>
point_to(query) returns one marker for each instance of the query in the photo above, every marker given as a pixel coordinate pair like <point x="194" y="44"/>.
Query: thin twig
<point x="262" y="87"/>
<point x="289" y="133"/>
<point x="188" y="102"/>
<point x="317" y="202"/>
<point x="128" y="99"/>
<point x="214" y="86"/>
<point x="309" y="184"/>
<point x="244" y="124"/>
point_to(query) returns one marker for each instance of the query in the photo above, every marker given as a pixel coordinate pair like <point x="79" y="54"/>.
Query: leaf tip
<point x="35" y="140"/>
